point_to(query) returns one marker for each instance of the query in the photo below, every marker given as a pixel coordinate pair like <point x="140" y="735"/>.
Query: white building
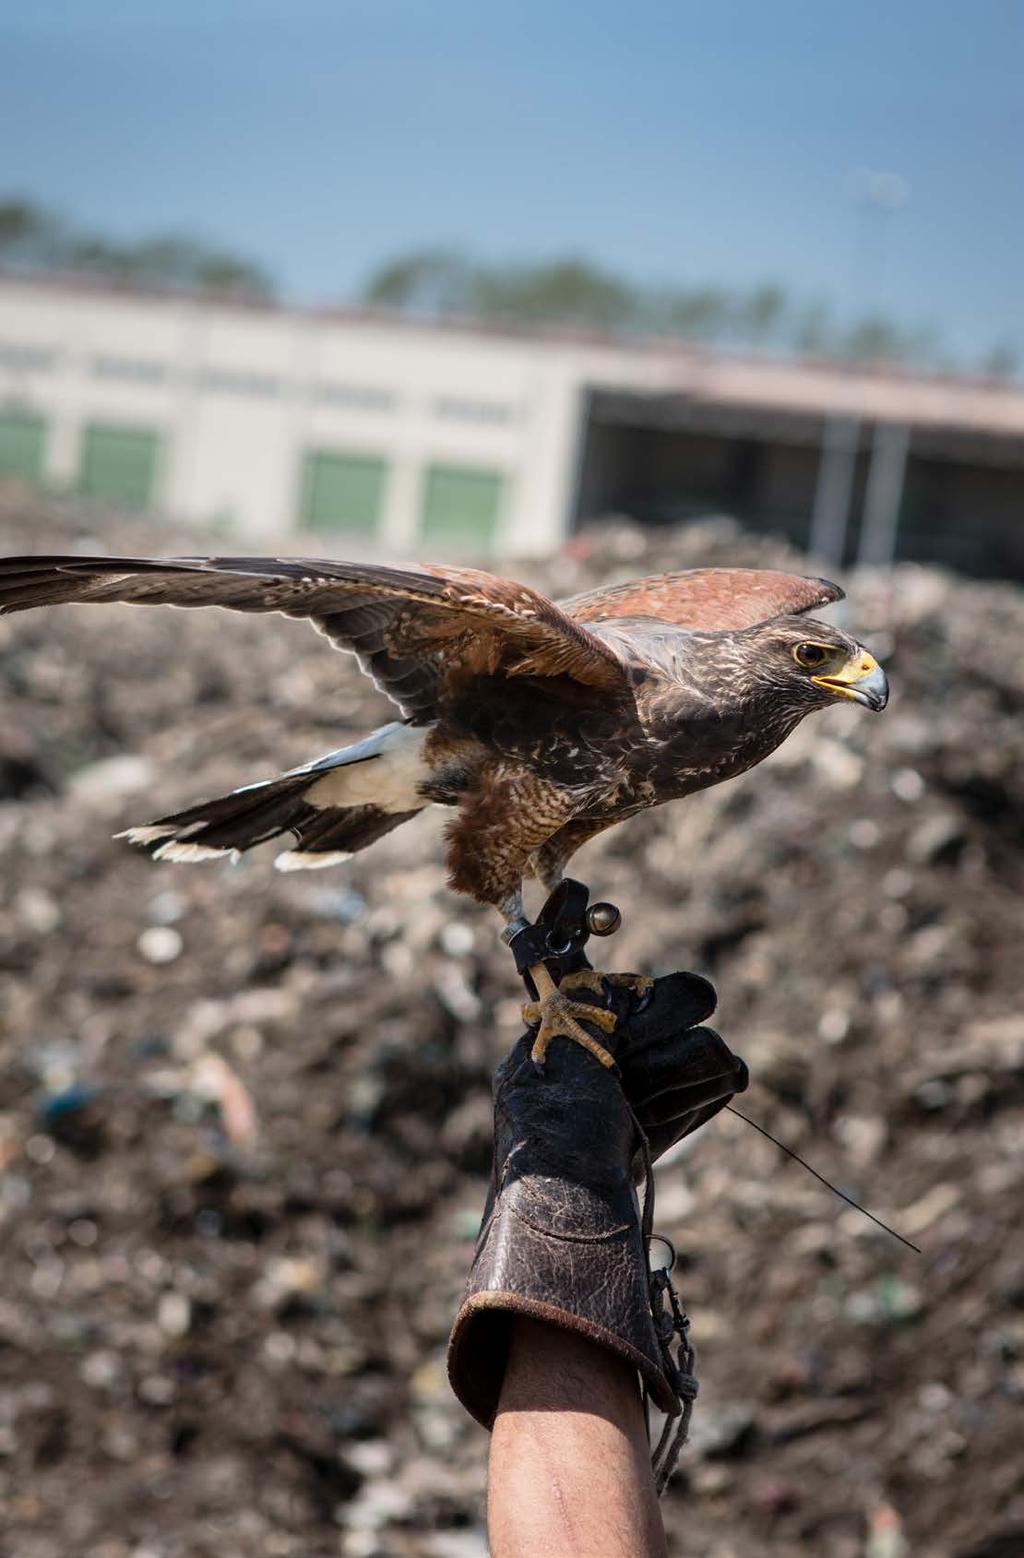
<point x="419" y="437"/>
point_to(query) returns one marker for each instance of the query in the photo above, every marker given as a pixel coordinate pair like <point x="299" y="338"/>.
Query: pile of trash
<point x="245" y="1120"/>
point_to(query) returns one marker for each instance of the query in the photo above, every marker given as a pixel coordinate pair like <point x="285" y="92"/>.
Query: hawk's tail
<point x="333" y="807"/>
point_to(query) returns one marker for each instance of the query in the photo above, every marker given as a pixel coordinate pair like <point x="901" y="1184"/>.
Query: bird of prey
<point x="538" y="724"/>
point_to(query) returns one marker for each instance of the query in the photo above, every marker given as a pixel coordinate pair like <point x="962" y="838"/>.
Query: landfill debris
<point x="244" y="1116"/>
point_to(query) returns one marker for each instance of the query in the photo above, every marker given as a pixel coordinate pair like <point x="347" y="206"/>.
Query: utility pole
<point x="878" y="197"/>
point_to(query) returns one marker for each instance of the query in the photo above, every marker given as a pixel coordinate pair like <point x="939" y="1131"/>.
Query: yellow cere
<point x="855" y="669"/>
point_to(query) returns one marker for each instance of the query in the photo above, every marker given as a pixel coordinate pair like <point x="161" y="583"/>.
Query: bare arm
<point x="569" y="1469"/>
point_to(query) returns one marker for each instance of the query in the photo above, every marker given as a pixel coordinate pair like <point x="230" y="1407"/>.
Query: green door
<point x="343" y="492"/>
<point x="22" y="442"/>
<point x="462" y="505"/>
<point x="118" y="464"/>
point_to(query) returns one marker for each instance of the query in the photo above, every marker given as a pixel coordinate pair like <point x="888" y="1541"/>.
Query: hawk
<point x="538" y="724"/>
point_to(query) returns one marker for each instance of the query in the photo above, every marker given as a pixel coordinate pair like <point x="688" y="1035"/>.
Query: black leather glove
<point x="561" y="1239"/>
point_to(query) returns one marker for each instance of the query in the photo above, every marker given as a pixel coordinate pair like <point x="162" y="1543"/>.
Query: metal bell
<point x="603" y="919"/>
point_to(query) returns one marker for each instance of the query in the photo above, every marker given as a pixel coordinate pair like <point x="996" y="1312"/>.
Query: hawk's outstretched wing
<point x="409" y="626"/>
<point x="706" y="600"/>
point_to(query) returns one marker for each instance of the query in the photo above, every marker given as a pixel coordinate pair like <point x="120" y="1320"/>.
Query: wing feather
<point x="706" y="599"/>
<point x="409" y="626"/>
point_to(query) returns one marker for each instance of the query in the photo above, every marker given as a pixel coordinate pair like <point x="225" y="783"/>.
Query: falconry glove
<point x="562" y="1237"/>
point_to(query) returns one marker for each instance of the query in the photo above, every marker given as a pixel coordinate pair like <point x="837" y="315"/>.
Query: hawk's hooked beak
<point x="861" y="679"/>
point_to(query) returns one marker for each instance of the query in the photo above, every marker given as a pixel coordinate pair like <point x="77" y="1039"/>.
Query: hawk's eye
<point x="810" y="655"/>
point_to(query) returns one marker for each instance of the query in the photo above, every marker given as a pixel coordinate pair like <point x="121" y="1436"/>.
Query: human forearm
<point x="570" y="1471"/>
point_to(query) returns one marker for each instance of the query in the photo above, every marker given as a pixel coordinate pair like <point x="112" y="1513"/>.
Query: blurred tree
<point x="565" y="291"/>
<point x="812" y="329"/>
<point x="165" y="259"/>
<point x="705" y="313"/>
<point x="442" y="281"/>
<point x="221" y="271"/>
<point x="763" y="313"/>
<point x="922" y="345"/>
<point x="876" y="339"/>
<point x="34" y="237"/>
<point x="28" y="232"/>
<point x="427" y="281"/>
<point x="872" y="340"/>
<point x="97" y="255"/>
<point x="1003" y="361"/>
<point x="571" y="291"/>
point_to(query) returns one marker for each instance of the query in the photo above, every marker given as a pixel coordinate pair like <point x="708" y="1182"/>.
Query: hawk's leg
<point x="549" y="864"/>
<point x="553" y="1013"/>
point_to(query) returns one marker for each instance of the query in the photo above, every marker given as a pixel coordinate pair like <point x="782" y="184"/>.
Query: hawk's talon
<point x="593" y="979"/>
<point x="641" y="984"/>
<point x="586" y="979"/>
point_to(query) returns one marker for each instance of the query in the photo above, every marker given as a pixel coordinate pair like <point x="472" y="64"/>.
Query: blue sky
<point x="671" y="141"/>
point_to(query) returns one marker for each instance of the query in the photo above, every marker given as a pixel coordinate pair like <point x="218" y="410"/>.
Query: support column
<point x="400" y="522"/>
<point x="884" y="495"/>
<point x="62" y="449"/>
<point x="836" y="470"/>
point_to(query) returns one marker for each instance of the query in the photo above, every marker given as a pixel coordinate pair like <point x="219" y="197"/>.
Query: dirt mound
<point x="244" y="1116"/>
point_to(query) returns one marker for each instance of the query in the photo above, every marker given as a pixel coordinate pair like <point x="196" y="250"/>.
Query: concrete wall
<point x="239" y="396"/>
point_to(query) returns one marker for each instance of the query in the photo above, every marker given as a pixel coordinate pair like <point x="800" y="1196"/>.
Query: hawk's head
<point x="810" y="665"/>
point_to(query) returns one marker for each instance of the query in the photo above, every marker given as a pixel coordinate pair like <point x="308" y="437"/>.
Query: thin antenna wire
<point x="834" y="1188"/>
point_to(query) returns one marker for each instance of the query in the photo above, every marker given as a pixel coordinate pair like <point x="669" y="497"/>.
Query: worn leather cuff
<point x="554" y="1253"/>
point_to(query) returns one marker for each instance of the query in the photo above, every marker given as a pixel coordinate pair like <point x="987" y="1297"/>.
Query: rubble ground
<point x="244" y="1116"/>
